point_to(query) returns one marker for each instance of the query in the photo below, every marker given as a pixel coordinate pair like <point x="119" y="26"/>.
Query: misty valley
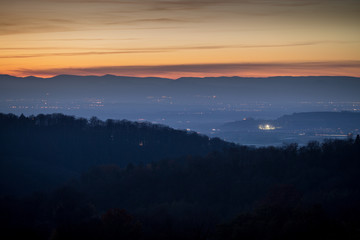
<point x="215" y="107"/>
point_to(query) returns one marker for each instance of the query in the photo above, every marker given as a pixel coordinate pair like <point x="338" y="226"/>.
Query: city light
<point x="266" y="127"/>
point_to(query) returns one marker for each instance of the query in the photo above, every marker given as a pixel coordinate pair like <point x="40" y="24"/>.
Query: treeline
<point x="289" y="192"/>
<point x="39" y="152"/>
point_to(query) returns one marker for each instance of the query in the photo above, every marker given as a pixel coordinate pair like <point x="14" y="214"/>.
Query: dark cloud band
<point x="225" y="69"/>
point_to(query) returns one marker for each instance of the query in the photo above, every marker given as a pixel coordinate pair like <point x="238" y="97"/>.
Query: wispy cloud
<point x="21" y="28"/>
<point x="71" y="54"/>
<point x="161" y="20"/>
<point x="168" y="5"/>
<point x="112" y="51"/>
<point x="62" y="15"/>
<point x="85" y="39"/>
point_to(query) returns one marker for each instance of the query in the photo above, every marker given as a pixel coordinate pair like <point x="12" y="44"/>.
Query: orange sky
<point x="174" y="38"/>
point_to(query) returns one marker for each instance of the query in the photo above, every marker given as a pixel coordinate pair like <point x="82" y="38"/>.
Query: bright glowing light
<point x="266" y="127"/>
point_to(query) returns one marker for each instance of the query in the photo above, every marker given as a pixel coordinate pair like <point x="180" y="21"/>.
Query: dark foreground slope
<point x="38" y="152"/>
<point x="290" y="192"/>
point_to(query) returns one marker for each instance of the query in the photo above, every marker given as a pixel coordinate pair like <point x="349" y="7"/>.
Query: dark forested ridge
<point x="232" y="192"/>
<point x="54" y="147"/>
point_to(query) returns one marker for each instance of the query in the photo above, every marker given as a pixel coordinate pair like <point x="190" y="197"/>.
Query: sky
<point x="180" y="38"/>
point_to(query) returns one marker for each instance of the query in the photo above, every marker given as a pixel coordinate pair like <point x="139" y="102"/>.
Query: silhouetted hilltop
<point x="275" y="193"/>
<point x="51" y="148"/>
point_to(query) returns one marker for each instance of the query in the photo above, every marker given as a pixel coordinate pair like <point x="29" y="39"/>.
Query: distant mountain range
<point x="183" y="90"/>
<point x="44" y="150"/>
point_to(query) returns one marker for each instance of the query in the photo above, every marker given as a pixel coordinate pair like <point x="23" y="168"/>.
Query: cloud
<point x="42" y="24"/>
<point x="205" y="2"/>
<point x="86" y="39"/>
<point x="168" y="5"/>
<point x="161" y="20"/>
<point x="151" y="21"/>
<point x="336" y="68"/>
<point x="112" y="51"/>
<point x="72" y="54"/>
<point x="20" y="24"/>
<point x="20" y="28"/>
<point x="37" y="16"/>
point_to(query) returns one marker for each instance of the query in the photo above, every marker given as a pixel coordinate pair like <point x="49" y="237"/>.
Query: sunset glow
<point x="176" y="38"/>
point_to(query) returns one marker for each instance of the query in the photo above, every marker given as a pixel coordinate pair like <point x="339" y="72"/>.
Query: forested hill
<point x="311" y="192"/>
<point x="121" y="189"/>
<point x="53" y="147"/>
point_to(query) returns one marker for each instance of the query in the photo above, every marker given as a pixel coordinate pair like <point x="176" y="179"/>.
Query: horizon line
<point x="201" y="70"/>
<point x="201" y="77"/>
